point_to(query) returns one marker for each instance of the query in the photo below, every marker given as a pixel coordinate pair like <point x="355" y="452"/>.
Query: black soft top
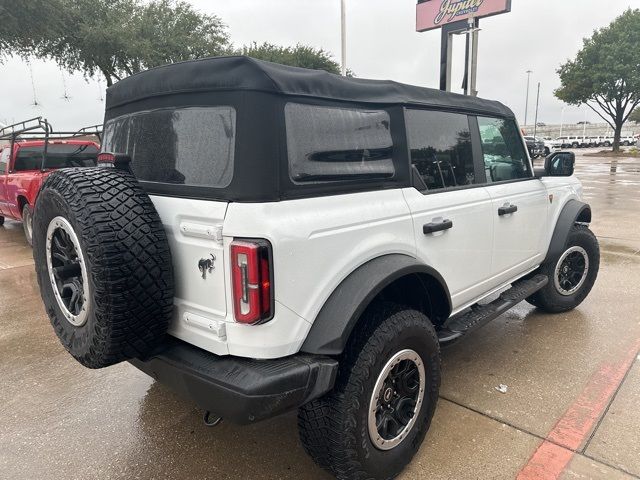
<point x="237" y="73"/>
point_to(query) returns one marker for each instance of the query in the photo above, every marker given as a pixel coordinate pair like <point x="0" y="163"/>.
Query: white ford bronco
<point x="265" y="238"/>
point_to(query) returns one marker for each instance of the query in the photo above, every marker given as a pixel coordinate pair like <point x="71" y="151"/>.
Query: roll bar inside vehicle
<point x="39" y="128"/>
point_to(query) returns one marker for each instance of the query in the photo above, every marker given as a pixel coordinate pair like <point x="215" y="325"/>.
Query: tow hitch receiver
<point x="211" y="420"/>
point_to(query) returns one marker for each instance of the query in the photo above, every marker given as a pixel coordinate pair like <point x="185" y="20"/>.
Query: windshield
<point x="58" y="156"/>
<point x="185" y="146"/>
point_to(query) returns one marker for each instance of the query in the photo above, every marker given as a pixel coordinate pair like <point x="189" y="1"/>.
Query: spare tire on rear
<point x="103" y="265"/>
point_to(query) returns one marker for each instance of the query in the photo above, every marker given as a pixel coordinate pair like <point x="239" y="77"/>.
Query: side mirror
<point x="559" y="164"/>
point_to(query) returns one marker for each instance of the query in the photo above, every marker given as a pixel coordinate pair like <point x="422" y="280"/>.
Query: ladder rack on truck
<point x="39" y="128"/>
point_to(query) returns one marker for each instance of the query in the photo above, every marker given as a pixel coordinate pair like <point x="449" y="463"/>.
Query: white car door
<point x="452" y="211"/>
<point x="520" y="201"/>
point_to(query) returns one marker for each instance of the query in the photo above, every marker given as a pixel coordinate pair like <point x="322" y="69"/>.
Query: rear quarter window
<point x="333" y="144"/>
<point x="185" y="146"/>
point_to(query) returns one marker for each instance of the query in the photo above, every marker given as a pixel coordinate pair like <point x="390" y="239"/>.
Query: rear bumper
<point x="238" y="389"/>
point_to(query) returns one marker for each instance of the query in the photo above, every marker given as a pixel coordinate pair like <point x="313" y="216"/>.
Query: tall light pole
<point x="471" y="67"/>
<point x="562" y="119"/>
<point x="535" y="122"/>
<point x="343" y="35"/>
<point x="526" y="103"/>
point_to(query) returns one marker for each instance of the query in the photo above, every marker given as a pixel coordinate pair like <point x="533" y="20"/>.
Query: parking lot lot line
<point x="499" y="420"/>
<point x="592" y="461"/>
<point x="607" y="464"/>
<point x="615" y="439"/>
<point x="6" y="266"/>
<point x="573" y="429"/>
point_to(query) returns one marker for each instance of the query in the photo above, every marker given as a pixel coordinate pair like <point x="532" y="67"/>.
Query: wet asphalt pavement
<point x="571" y="409"/>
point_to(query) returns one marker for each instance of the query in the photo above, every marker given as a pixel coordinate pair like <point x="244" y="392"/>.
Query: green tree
<point x="27" y="23"/>
<point x="114" y="38"/>
<point x="169" y="32"/>
<point x="298" y="56"/>
<point x="117" y="38"/>
<point x="605" y="74"/>
<point x="635" y="116"/>
<point x="121" y="37"/>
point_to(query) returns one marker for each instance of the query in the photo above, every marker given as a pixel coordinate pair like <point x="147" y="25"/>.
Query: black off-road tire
<point x="27" y="223"/>
<point x="334" y="428"/>
<point x="548" y="298"/>
<point x="128" y="263"/>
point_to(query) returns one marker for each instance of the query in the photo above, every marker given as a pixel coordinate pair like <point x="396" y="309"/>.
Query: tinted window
<point x="58" y="156"/>
<point x="186" y="146"/>
<point x="440" y="145"/>
<point x="328" y="143"/>
<point x="505" y="157"/>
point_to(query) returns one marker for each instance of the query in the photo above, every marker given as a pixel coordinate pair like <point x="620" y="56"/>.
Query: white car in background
<point x="563" y="142"/>
<point x="603" y="141"/>
<point x="549" y="145"/>
<point x="627" y="140"/>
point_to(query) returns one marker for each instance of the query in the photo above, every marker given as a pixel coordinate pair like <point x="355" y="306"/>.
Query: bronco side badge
<point x="206" y="265"/>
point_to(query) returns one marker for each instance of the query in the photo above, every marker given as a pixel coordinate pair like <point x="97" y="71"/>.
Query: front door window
<point x="503" y="151"/>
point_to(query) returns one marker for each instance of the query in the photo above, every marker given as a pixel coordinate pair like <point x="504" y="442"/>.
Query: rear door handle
<point x="507" y="209"/>
<point x="436" y="226"/>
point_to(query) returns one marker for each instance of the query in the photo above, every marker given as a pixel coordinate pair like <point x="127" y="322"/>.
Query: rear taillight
<point x="121" y="161"/>
<point x="106" y="158"/>
<point x="251" y="280"/>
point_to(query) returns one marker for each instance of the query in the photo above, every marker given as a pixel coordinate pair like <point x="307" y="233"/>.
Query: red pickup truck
<point x="22" y="172"/>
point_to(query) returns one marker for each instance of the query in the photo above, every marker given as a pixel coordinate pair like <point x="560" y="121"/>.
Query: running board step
<point x="460" y="325"/>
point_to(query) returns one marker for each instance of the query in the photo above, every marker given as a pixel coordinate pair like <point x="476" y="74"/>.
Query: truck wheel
<point x="27" y="223"/>
<point x="574" y="145"/>
<point x="103" y="265"/>
<point x="373" y="422"/>
<point x="571" y="275"/>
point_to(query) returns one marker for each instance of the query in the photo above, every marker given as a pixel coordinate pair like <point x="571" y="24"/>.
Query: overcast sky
<point x="382" y="43"/>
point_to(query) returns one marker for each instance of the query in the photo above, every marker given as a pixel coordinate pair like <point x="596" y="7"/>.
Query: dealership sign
<point x="431" y="14"/>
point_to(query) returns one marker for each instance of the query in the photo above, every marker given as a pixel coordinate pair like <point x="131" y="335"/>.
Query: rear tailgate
<point x="194" y="230"/>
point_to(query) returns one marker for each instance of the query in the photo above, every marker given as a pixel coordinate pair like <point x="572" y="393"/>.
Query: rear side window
<point x="440" y="146"/>
<point x="185" y="146"/>
<point x="505" y="157"/>
<point x="332" y="144"/>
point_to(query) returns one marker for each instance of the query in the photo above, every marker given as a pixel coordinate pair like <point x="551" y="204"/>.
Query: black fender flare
<point x="340" y="313"/>
<point x="572" y="212"/>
